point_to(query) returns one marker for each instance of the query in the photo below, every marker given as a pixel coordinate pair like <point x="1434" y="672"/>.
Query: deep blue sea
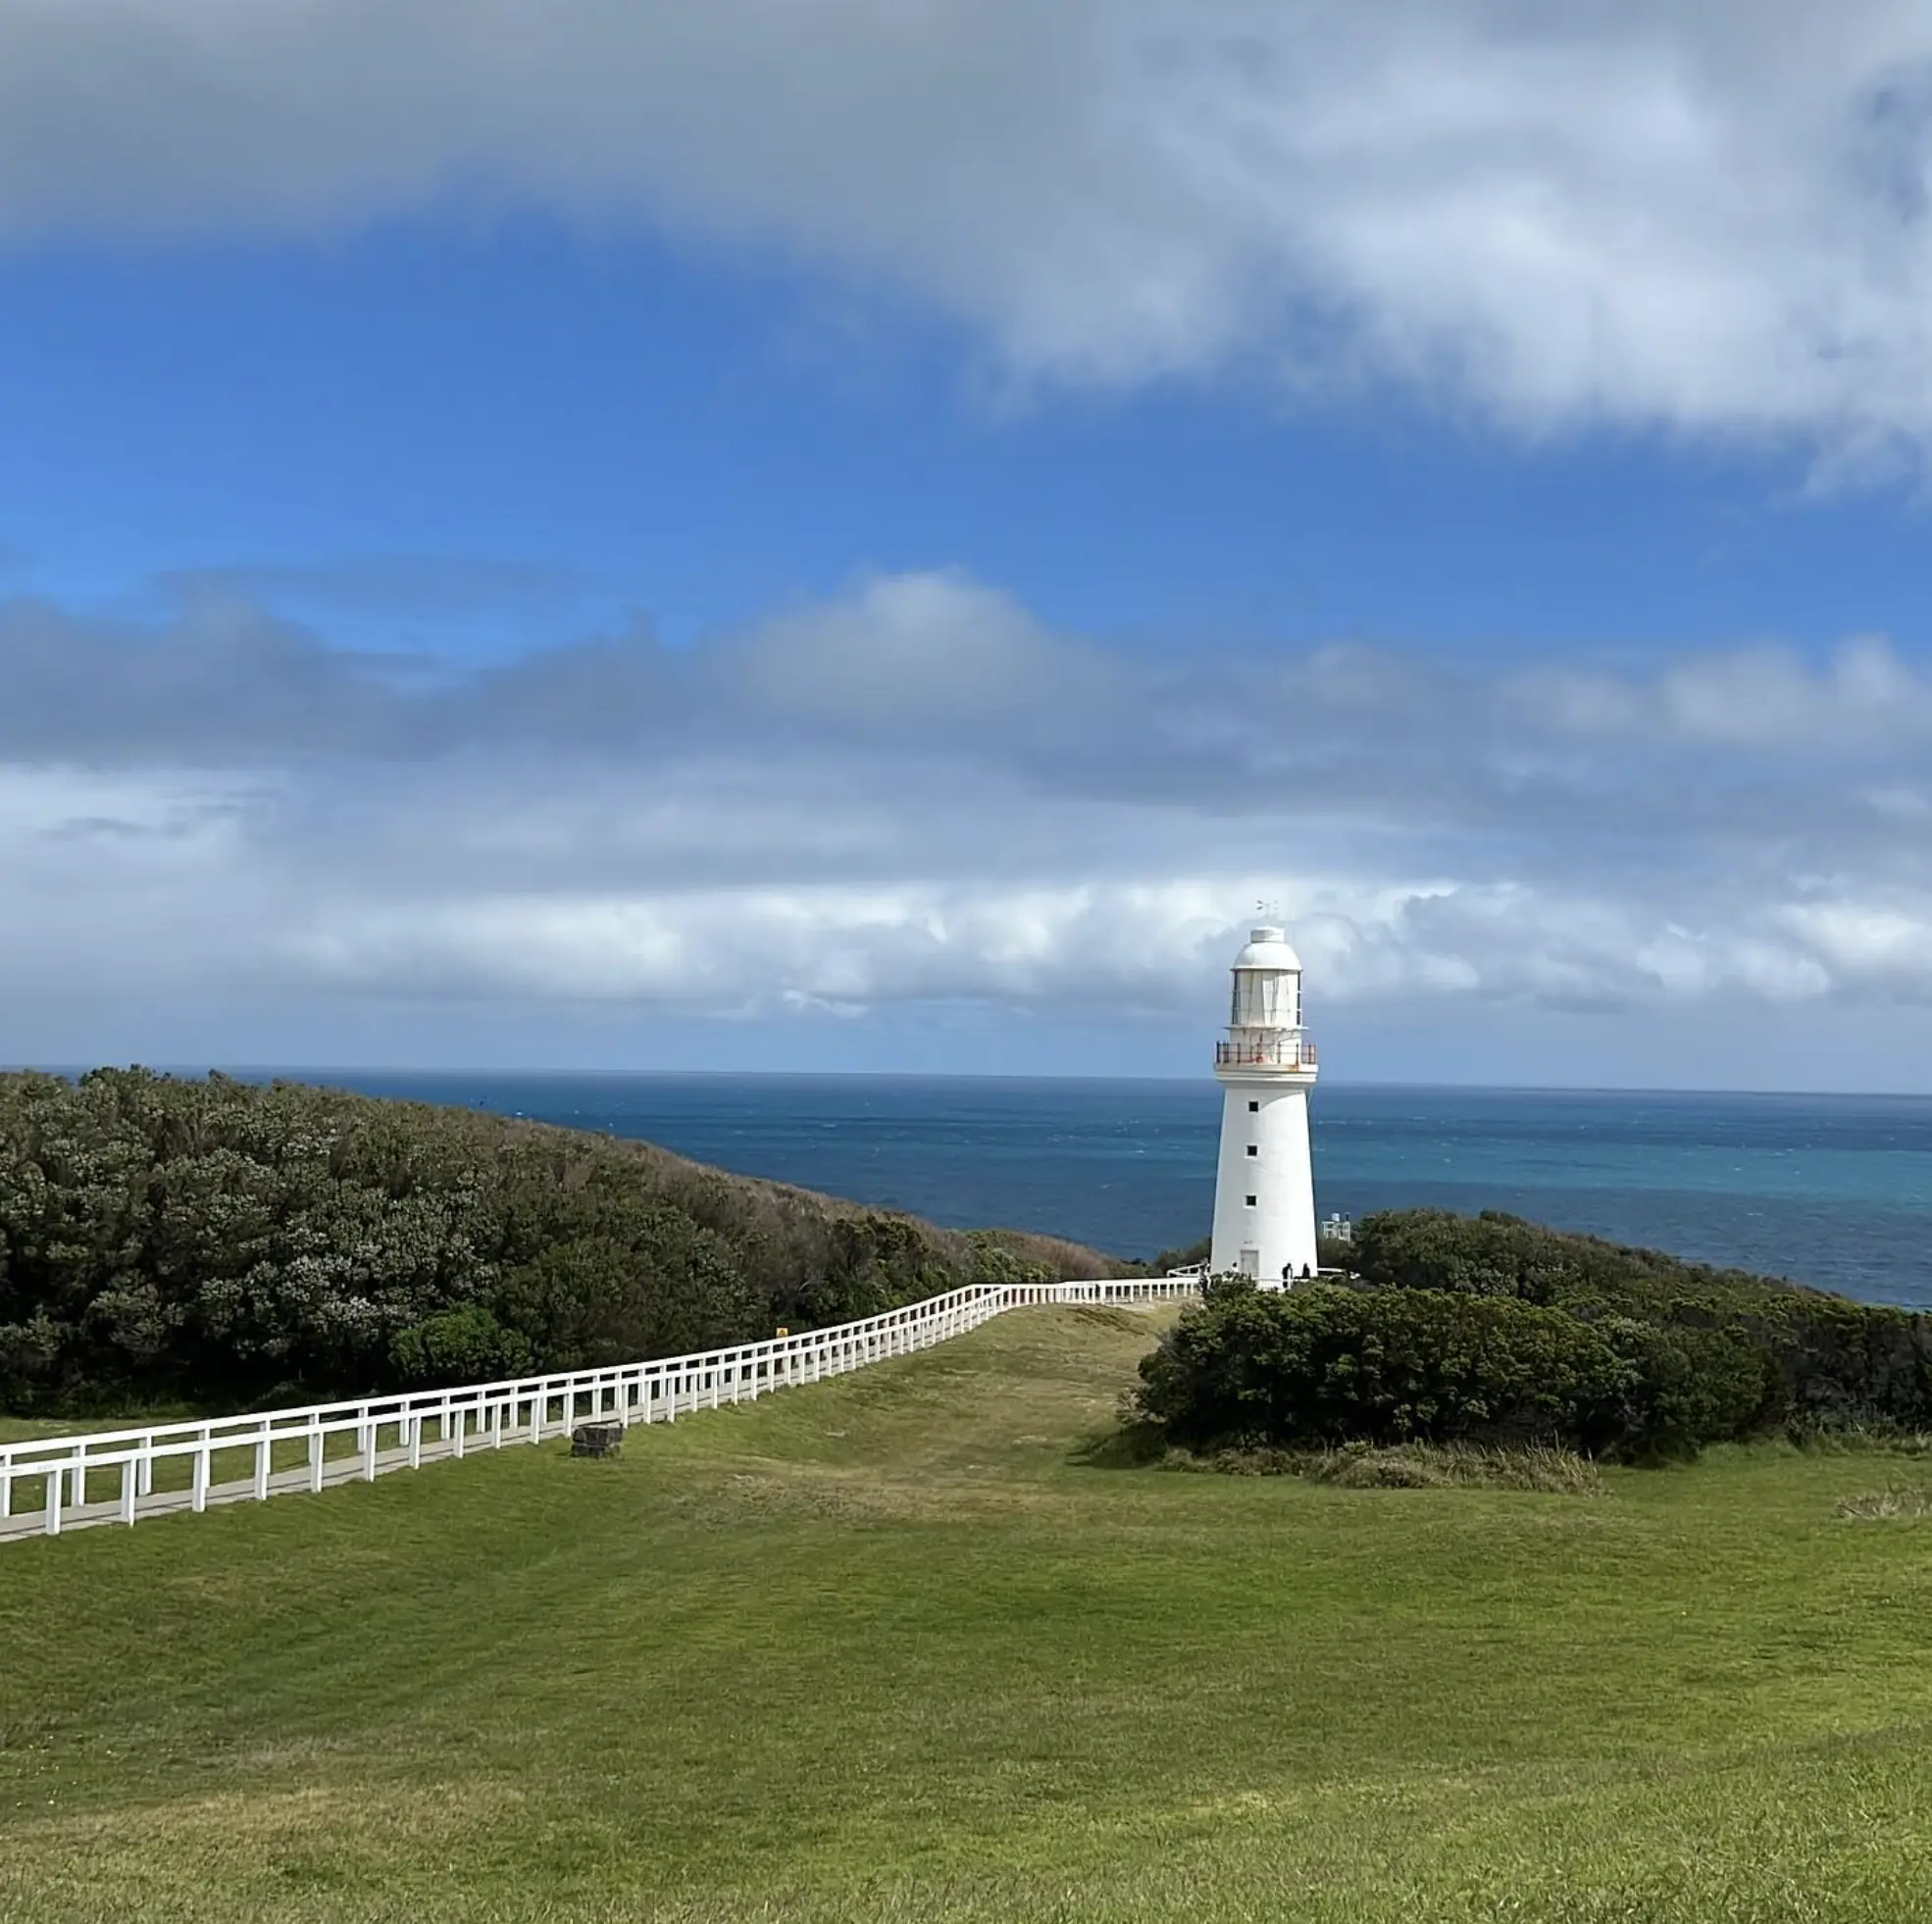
<point x="1832" y="1190"/>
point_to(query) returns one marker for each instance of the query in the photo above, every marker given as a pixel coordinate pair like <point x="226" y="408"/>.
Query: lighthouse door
<point x="1251" y="1263"/>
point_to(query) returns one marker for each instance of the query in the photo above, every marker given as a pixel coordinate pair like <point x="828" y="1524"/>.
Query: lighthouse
<point x="1264" y="1191"/>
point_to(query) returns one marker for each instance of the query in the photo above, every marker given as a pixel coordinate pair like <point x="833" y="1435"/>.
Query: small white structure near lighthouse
<point x="1264" y="1193"/>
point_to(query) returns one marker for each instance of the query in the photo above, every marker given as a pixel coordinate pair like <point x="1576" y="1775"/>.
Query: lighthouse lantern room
<point x="1264" y="1193"/>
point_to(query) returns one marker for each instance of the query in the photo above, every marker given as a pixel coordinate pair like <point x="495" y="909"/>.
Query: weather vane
<point x="1270" y="910"/>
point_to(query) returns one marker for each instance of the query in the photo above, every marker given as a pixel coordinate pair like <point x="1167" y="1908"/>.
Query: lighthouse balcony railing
<point x="1265" y="1053"/>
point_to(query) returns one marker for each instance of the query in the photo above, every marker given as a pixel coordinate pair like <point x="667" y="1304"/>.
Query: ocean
<point x="1831" y="1190"/>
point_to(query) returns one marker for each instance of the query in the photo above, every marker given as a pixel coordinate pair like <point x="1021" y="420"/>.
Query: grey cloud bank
<point x="1693" y="214"/>
<point x="919" y="796"/>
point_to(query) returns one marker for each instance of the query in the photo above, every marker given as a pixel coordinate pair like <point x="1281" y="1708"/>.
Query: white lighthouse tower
<point x="1264" y="1193"/>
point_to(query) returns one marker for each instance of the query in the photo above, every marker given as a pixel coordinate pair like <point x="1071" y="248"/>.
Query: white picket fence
<point x="110" y="1476"/>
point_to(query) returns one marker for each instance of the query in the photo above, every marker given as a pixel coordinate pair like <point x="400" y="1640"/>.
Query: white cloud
<point x="1882" y="938"/>
<point x="888" y="800"/>
<point x="913" y="649"/>
<point x="1864" y="702"/>
<point x="1676" y="212"/>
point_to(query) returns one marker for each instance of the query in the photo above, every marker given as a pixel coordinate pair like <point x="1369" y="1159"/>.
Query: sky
<point x="871" y="534"/>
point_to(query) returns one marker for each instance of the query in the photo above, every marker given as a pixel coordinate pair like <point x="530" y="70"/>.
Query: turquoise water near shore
<point x="1833" y="1190"/>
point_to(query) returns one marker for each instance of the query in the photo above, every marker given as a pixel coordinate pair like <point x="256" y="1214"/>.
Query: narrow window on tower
<point x="1253" y="1149"/>
<point x="1254" y="1108"/>
<point x="1250" y="1202"/>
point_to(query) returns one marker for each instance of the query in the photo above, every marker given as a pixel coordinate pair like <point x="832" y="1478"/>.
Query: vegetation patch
<point x="1497" y="1333"/>
<point x="1409" y="1466"/>
<point x="1856" y="1436"/>
<point x="224" y="1245"/>
<point x="1907" y="1504"/>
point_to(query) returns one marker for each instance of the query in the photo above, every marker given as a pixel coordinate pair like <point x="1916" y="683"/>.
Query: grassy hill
<point x="905" y="1645"/>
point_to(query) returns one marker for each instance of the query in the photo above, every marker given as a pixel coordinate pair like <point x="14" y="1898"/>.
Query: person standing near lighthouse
<point x="1264" y="1191"/>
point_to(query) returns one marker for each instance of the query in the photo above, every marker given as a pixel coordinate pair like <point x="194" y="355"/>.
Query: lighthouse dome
<point x="1267" y="948"/>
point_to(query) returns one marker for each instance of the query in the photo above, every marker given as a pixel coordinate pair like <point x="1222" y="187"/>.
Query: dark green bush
<point x="1686" y="1387"/>
<point x="663" y="1287"/>
<point x="461" y="1345"/>
<point x="1822" y="1355"/>
<point x="1323" y="1365"/>
<point x="1496" y="1330"/>
<point x="224" y="1244"/>
<point x="1499" y="1255"/>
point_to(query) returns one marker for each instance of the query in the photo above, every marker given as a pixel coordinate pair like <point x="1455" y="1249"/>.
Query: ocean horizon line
<point x="317" y="1071"/>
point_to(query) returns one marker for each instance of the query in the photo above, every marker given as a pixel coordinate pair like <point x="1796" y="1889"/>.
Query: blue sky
<point x="848" y="534"/>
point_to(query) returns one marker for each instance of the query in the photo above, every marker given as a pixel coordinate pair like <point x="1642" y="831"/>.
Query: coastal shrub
<point x="1834" y="1361"/>
<point x="219" y="1243"/>
<point x="1322" y="1365"/>
<point x="1686" y="1387"/>
<point x="1496" y="1329"/>
<point x="1823" y="1358"/>
<point x="658" y="1285"/>
<point x="461" y="1345"/>
<point x="1500" y="1255"/>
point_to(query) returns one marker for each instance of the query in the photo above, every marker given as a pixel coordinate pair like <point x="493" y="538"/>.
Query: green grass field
<point x="897" y="1647"/>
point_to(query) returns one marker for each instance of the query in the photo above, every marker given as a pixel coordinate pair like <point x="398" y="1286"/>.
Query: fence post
<point x="51" y="1522"/>
<point x="203" y="1469"/>
<point x="130" y="1483"/>
<point x="263" y="1447"/>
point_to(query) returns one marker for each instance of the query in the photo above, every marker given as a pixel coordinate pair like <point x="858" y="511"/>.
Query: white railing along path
<point x="111" y="1475"/>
